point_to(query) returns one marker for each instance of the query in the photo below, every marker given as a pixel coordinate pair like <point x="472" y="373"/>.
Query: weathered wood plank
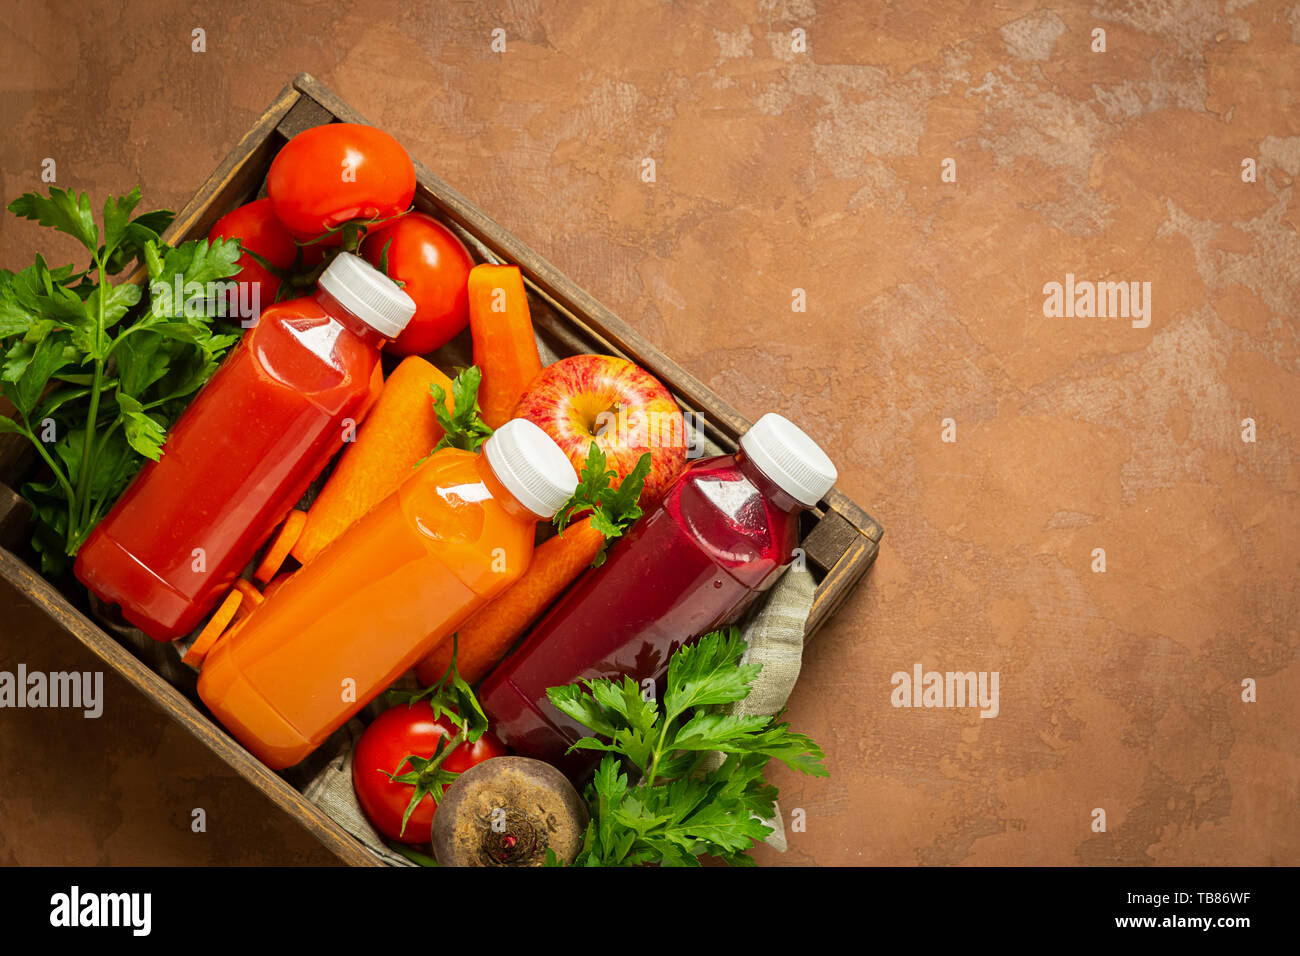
<point x="839" y="583"/>
<point x="304" y="114"/>
<point x="856" y="515"/>
<point x="829" y="540"/>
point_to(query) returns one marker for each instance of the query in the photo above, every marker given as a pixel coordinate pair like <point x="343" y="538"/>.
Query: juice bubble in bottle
<point x="716" y="541"/>
<point x="456" y="534"/>
<point x="244" y="451"/>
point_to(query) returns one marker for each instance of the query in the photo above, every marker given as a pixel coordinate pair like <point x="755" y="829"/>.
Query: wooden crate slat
<point x="829" y="540"/>
<point x="304" y="114"/>
<point x="839" y="583"/>
<point x="842" y="503"/>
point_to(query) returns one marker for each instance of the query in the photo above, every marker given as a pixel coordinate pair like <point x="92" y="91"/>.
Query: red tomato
<point x="329" y="174"/>
<point x="394" y="734"/>
<point x="434" y="267"/>
<point x="256" y="227"/>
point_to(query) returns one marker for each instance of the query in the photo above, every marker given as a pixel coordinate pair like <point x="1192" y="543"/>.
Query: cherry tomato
<point x="393" y="735"/>
<point x="433" y="266"/>
<point x="257" y="228"/>
<point x="330" y="174"/>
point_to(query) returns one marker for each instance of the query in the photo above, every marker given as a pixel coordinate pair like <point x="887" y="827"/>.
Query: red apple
<point x="624" y="409"/>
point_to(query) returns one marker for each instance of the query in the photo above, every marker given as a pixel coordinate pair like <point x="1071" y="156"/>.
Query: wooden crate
<point x="840" y="539"/>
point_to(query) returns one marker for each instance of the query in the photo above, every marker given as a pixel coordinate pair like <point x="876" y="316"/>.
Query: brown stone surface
<point x="820" y="170"/>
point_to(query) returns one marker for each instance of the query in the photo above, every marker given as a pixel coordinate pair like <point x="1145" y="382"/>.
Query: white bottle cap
<point x="790" y="458"/>
<point x="368" y="294"/>
<point x="532" y="467"/>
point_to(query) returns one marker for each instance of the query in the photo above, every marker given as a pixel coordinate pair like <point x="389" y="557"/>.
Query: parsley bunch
<point x="673" y="810"/>
<point x="97" y="375"/>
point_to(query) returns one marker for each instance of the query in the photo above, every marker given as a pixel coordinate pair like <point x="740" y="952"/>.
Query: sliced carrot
<point x="491" y="631"/>
<point x="505" y="348"/>
<point x="231" y="631"/>
<point x="214" y="628"/>
<point x="400" y="430"/>
<point x="276" y="583"/>
<point x="252" y="598"/>
<point x="280" y="547"/>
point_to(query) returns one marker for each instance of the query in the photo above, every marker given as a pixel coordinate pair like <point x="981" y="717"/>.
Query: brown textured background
<point x="821" y="171"/>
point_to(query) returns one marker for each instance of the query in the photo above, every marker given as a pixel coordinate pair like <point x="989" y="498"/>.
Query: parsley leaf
<point x="62" y="210"/>
<point x="117" y="214"/>
<point x="709" y="672"/>
<point x="462" y="427"/>
<point x="145" y="228"/>
<point x="143" y="433"/>
<point x="613" y="509"/>
<point x="198" y="262"/>
<point x="51" y="353"/>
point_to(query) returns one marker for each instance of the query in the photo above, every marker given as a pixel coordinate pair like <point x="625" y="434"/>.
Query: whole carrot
<point x="485" y="638"/>
<point x="401" y="428"/>
<point x="505" y="349"/>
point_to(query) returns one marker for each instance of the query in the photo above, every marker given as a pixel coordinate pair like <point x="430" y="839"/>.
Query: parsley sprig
<point x="97" y="371"/>
<point x="613" y="510"/>
<point x="670" y="809"/>
<point x="463" y="427"/>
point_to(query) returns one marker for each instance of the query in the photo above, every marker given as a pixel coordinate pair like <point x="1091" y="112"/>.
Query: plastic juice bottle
<point x="243" y="453"/>
<point x="717" y="539"/>
<point x="454" y="535"/>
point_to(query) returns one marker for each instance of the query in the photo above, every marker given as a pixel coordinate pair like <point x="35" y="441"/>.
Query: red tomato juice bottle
<point x="717" y="540"/>
<point x="244" y="451"/>
<point x="453" y="536"/>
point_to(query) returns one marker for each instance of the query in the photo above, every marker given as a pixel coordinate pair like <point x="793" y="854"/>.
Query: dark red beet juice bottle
<point x="717" y="540"/>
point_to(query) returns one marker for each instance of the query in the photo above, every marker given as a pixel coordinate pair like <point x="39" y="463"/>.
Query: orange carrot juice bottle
<point x="456" y="533"/>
